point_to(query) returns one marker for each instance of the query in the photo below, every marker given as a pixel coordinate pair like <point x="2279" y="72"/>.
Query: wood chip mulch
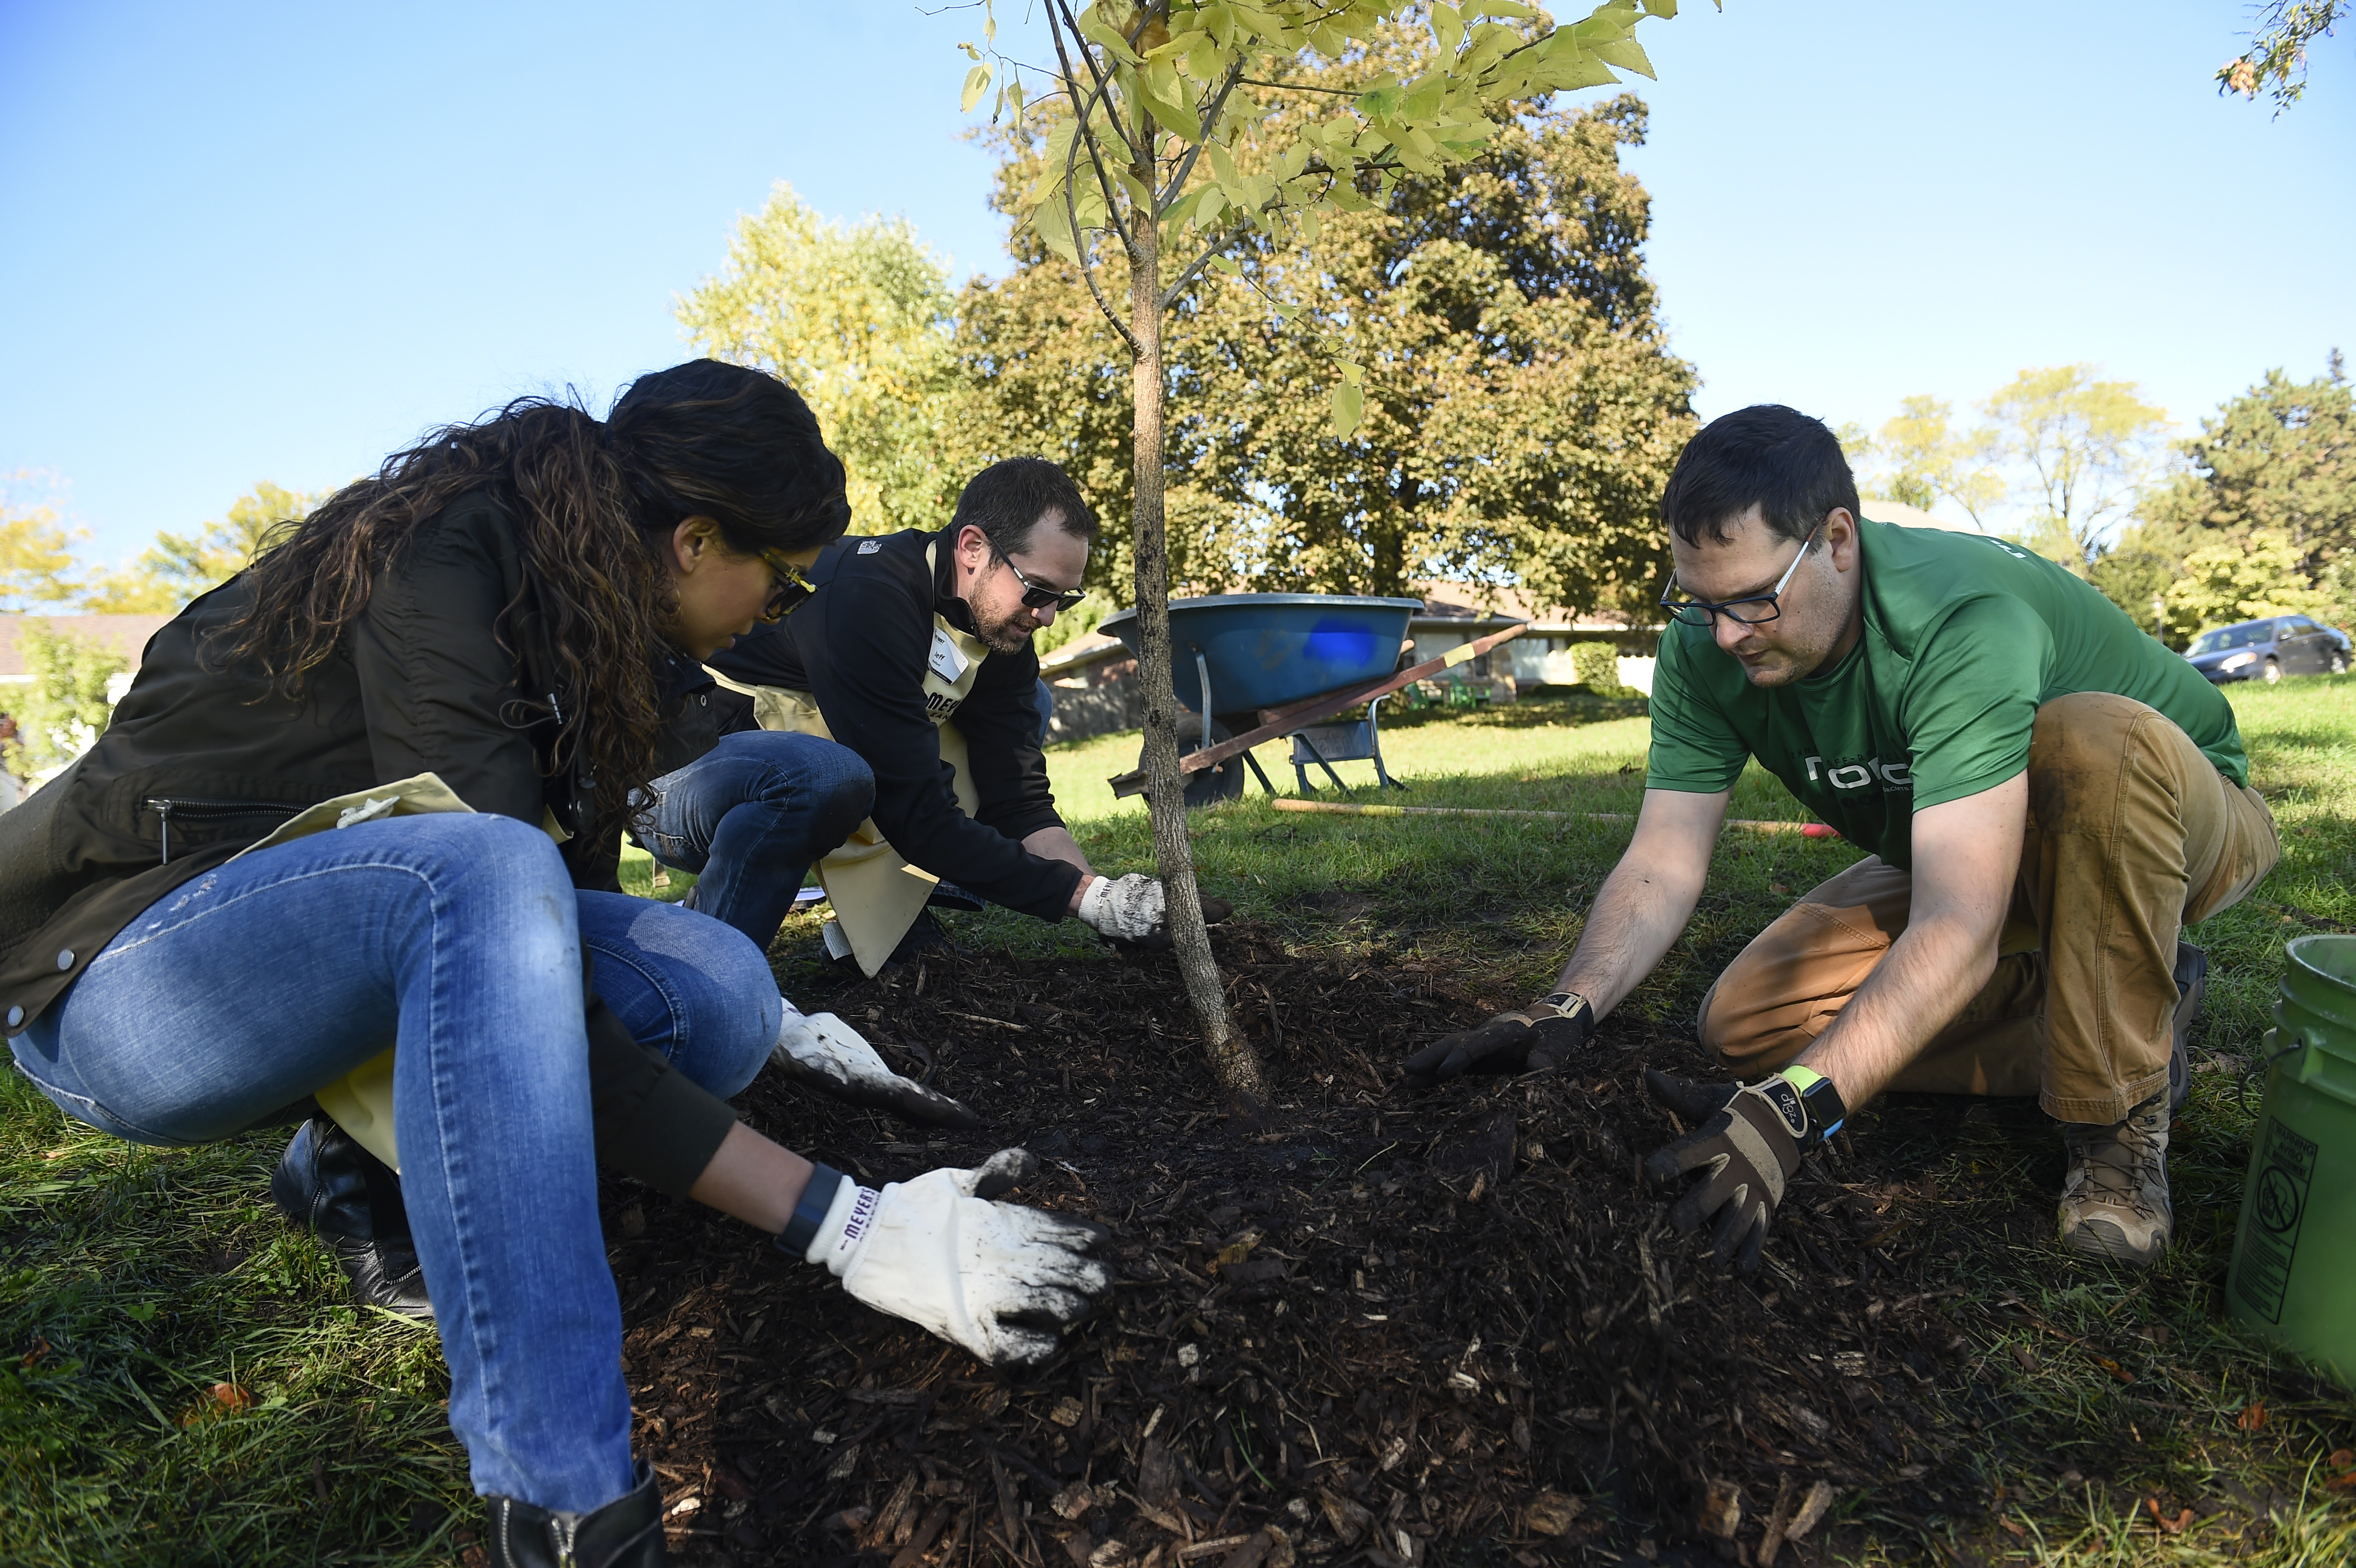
<point x="1369" y="1328"/>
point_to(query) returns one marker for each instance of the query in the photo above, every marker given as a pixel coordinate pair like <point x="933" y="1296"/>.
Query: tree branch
<point x="1210" y="121"/>
<point x="1084" y="112"/>
<point x="1081" y="111"/>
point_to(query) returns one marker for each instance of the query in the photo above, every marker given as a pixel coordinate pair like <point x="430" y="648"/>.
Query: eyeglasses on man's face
<point x="1036" y="596"/>
<point x="1753" y="610"/>
<point x="792" y="590"/>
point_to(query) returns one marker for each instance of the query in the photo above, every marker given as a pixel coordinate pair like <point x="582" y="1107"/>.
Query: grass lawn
<point x="183" y="1380"/>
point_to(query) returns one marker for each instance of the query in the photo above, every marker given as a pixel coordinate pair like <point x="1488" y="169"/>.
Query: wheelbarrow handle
<point x="1310" y="709"/>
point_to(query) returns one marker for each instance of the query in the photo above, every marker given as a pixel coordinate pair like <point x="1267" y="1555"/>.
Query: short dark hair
<point x="1778" y="459"/>
<point x="1010" y="498"/>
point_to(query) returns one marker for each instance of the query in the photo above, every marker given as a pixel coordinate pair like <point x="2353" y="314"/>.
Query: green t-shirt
<point x="1964" y="637"/>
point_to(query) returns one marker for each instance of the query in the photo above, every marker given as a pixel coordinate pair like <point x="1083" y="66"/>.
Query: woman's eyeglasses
<point x="792" y="591"/>
<point x="1035" y="597"/>
<point x="1755" y="611"/>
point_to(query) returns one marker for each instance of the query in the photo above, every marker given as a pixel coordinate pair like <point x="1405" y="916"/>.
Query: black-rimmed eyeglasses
<point x="1036" y="596"/>
<point x="1756" y="610"/>
<point x="792" y="591"/>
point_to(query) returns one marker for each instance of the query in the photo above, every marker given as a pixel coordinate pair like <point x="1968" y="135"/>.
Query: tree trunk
<point x="1231" y="1056"/>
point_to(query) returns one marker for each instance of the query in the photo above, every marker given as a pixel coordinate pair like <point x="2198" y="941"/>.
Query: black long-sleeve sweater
<point x="859" y="646"/>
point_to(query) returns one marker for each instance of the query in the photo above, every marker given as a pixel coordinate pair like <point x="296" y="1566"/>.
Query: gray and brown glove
<point x="1134" y="911"/>
<point x="1536" y="1039"/>
<point x="1745" y="1150"/>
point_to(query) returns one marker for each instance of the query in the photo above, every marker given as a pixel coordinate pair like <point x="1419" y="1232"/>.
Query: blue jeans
<point x="749" y="817"/>
<point x="458" y="937"/>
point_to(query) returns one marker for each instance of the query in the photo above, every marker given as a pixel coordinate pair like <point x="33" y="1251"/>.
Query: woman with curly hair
<point x="473" y="663"/>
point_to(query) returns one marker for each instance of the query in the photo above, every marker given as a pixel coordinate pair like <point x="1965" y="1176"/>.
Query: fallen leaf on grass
<point x="221" y="1399"/>
<point x="2253" y="1417"/>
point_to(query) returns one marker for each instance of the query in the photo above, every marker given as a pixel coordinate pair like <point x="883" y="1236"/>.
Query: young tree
<point x="1150" y="104"/>
<point x="858" y="318"/>
<point x="2088" y="445"/>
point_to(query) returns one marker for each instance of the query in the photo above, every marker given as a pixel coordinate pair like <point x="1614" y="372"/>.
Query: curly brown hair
<point x="593" y="505"/>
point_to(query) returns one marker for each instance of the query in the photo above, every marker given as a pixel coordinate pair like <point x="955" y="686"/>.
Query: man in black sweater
<point x="914" y="652"/>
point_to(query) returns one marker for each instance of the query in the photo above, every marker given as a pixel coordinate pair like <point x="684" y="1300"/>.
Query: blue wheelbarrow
<point x="1258" y="666"/>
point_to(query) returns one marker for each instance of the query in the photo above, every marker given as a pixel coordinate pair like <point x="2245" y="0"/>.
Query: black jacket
<point x="445" y="672"/>
<point x="859" y="646"/>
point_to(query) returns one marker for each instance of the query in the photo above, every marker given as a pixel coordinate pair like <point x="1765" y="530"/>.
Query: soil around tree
<point x="1372" y="1326"/>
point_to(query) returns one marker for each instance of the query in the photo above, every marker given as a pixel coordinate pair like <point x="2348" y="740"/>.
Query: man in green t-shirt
<point x="2046" y="796"/>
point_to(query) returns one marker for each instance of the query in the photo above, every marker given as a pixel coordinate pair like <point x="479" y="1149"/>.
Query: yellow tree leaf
<point x="977" y="82"/>
<point x="1448" y="27"/>
<point x="1349" y="406"/>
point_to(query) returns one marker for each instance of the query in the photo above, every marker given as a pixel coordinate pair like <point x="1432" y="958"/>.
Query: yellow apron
<point x="876" y="894"/>
<point x="361" y="1100"/>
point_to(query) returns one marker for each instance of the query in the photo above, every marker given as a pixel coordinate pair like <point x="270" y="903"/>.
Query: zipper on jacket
<point x="189" y="809"/>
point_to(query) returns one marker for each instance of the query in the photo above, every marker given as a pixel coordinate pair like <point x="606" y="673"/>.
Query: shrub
<point x="1597" y="665"/>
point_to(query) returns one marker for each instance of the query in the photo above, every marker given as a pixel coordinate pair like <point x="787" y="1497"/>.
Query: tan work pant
<point x="2131" y="834"/>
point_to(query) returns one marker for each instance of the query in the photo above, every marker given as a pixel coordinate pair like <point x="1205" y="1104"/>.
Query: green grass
<point x="132" y="1280"/>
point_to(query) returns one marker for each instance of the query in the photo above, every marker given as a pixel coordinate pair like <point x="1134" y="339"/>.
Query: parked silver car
<point x="2269" y="650"/>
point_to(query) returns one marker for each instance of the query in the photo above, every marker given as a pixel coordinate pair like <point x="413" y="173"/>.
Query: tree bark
<point x="1232" y="1059"/>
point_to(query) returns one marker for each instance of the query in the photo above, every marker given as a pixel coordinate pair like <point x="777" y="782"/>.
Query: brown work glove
<point x="1536" y="1039"/>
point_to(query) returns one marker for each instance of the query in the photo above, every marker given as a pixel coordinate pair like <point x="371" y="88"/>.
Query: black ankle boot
<point x="625" y="1533"/>
<point x="351" y="1200"/>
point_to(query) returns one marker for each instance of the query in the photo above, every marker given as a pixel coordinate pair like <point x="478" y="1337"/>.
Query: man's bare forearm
<point x="1921" y="983"/>
<point x="1645" y="902"/>
<point x="1967" y="855"/>
<point x="1635" y="919"/>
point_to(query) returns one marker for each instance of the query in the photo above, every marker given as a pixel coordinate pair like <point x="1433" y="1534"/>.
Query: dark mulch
<point x="1372" y="1328"/>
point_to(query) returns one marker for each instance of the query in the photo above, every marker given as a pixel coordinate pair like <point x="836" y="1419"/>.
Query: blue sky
<point x="251" y="242"/>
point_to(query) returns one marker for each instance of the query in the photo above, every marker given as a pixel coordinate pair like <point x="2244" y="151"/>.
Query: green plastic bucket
<point x="2294" y="1274"/>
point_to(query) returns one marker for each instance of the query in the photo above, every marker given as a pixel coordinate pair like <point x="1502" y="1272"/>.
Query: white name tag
<point x="945" y="660"/>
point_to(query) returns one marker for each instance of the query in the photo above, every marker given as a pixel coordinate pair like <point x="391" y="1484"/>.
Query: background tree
<point x="2239" y="581"/>
<point x="178" y="567"/>
<point x="2275" y="61"/>
<point x="61" y="706"/>
<point x="1926" y="460"/>
<point x="2271" y="476"/>
<point x="1150" y="103"/>
<point x="858" y="318"/>
<point x="37" y="554"/>
<point x="1522" y="410"/>
<point x="2088" y="447"/>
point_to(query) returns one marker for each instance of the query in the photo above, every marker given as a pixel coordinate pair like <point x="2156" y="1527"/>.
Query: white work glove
<point x="830" y="1056"/>
<point x="1135" y="910"/>
<point x="997" y="1278"/>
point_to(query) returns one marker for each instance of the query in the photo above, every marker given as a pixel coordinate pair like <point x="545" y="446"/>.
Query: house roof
<point x="128" y="634"/>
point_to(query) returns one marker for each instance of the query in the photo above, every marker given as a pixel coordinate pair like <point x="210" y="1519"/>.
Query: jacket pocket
<point x="201" y="818"/>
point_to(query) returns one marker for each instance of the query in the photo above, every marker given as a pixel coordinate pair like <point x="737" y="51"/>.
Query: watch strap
<point x="818" y="1200"/>
<point x="1565" y="1003"/>
<point x="1828" y="1114"/>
